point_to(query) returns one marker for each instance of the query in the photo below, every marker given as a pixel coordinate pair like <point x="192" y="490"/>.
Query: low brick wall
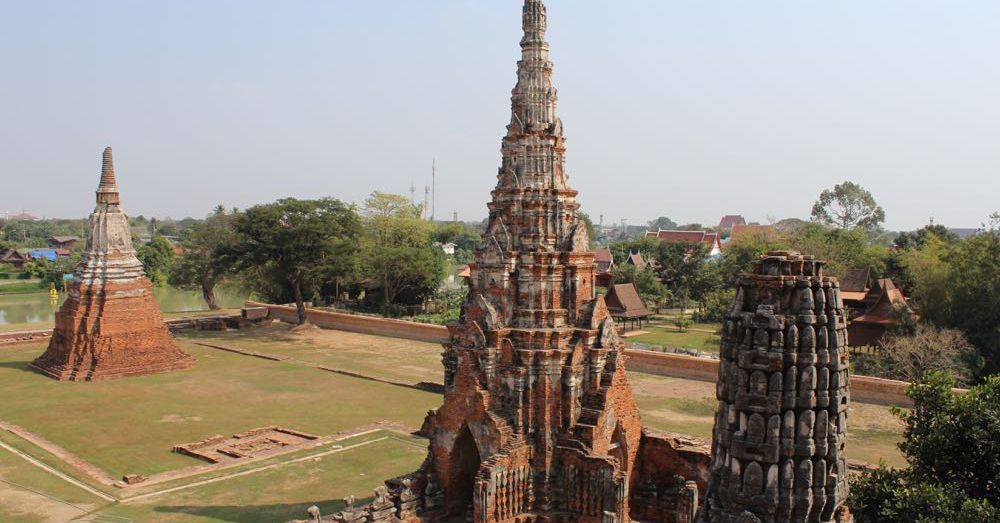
<point x="12" y="338"/>
<point x="673" y="365"/>
<point x="863" y="388"/>
<point x="407" y="330"/>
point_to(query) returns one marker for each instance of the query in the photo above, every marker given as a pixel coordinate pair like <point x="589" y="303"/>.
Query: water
<point x="37" y="310"/>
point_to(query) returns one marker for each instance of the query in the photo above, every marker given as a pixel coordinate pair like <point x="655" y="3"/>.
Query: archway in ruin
<point x="465" y="461"/>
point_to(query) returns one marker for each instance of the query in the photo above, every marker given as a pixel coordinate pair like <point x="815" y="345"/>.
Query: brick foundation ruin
<point x="110" y="326"/>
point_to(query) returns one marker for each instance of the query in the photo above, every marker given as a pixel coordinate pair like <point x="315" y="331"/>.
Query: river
<point x="35" y="310"/>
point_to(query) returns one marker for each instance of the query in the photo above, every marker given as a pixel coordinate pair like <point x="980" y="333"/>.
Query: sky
<point x="688" y="109"/>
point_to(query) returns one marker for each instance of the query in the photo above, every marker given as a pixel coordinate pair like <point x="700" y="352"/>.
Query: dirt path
<point x="56" y="473"/>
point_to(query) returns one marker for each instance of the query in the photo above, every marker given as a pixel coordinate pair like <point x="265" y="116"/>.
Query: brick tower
<point x="110" y="326"/>
<point x="779" y="437"/>
<point x="538" y="423"/>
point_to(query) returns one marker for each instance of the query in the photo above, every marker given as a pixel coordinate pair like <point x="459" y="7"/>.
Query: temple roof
<point x="881" y="300"/>
<point x="623" y="300"/>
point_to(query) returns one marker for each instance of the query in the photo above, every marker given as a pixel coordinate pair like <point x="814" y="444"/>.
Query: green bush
<point x="950" y="443"/>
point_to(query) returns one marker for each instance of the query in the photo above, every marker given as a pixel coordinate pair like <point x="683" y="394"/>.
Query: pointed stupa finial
<point x="535" y="20"/>
<point x="107" y="190"/>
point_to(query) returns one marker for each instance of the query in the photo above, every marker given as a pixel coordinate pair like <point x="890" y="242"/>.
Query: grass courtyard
<point x="700" y="336"/>
<point x="130" y="426"/>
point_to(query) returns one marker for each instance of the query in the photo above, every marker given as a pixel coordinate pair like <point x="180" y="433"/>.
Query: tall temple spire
<point x="107" y="189"/>
<point x="534" y="98"/>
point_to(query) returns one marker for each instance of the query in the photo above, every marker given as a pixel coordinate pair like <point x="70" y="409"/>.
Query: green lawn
<point x="392" y="359"/>
<point x="688" y="407"/>
<point x="130" y="426"/>
<point x="29" y="494"/>
<point x="257" y="495"/>
<point x="666" y="335"/>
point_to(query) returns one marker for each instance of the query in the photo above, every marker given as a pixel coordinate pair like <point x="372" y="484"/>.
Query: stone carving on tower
<point x="538" y="421"/>
<point x="110" y="326"/>
<point x="780" y="432"/>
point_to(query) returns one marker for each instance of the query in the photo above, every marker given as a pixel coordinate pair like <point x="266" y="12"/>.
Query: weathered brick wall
<point x="863" y="388"/>
<point x="407" y="330"/>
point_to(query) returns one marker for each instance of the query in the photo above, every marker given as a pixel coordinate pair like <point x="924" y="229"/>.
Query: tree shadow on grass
<point x="258" y="513"/>
<point x="18" y="365"/>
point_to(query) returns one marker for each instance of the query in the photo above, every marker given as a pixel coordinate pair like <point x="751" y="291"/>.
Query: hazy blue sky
<point x="689" y="109"/>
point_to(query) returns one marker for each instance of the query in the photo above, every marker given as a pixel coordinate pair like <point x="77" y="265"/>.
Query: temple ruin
<point x="110" y="326"/>
<point x="539" y="423"/>
<point x="780" y="431"/>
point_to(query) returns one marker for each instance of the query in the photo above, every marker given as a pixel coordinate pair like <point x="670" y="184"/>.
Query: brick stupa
<point x="780" y="434"/>
<point x="110" y="326"/>
<point x="539" y="423"/>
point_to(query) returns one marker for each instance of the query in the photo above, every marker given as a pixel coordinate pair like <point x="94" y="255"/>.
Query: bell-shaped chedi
<point x="780" y="432"/>
<point x="110" y="326"/>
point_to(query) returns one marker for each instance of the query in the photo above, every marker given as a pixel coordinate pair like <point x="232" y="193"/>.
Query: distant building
<point x="711" y="239"/>
<point x="866" y="327"/>
<point x="964" y="233"/>
<point x="63" y="242"/>
<point x="625" y="304"/>
<point x="729" y="221"/>
<point x="12" y="257"/>
<point x="635" y="258"/>
<point x="605" y="263"/>
<point x="25" y="217"/>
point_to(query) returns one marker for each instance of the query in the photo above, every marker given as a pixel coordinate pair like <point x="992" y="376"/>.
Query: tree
<point x="203" y="264"/>
<point x="950" y="445"/>
<point x="848" y="206"/>
<point x="292" y="244"/>
<point x="646" y="282"/>
<point x="927" y="349"/>
<point x="397" y="254"/>
<point x="957" y="285"/>
<point x="157" y="258"/>
<point x="681" y="267"/>
<point x="662" y="224"/>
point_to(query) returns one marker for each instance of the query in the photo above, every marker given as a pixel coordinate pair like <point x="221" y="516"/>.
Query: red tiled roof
<point x="731" y="220"/>
<point x="882" y="299"/>
<point x="856" y="280"/>
<point x="23" y="216"/>
<point x="62" y="252"/>
<point x="603" y="256"/>
<point x="465" y="272"/>
<point x="623" y="300"/>
<point x="635" y="258"/>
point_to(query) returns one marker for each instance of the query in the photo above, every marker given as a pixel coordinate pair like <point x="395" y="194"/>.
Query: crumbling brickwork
<point x="538" y="421"/>
<point x="110" y="326"/>
<point x="778" y="451"/>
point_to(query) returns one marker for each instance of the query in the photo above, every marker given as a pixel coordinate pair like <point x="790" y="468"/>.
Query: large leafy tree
<point x="398" y="256"/>
<point x="296" y="244"/>
<point x="848" y="206"/>
<point x="203" y="264"/>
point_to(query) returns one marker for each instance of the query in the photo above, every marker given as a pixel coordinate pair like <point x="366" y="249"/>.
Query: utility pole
<point x="433" y="186"/>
